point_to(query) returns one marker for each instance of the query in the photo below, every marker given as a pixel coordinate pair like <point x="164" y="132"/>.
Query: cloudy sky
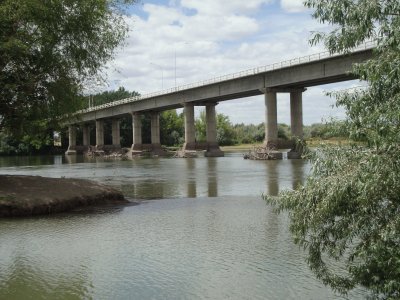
<point x="186" y="41"/>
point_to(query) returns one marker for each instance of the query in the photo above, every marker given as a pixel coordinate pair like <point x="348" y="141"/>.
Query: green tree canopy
<point x="48" y="50"/>
<point x="349" y="208"/>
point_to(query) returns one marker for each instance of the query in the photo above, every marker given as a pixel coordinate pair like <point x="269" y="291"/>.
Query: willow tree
<point x="48" y="50"/>
<point x="349" y="208"/>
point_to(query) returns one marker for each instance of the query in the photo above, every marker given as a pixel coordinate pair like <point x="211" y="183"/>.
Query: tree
<point x="110" y="96"/>
<point x="48" y="51"/>
<point x="349" y="208"/>
<point x="172" y="130"/>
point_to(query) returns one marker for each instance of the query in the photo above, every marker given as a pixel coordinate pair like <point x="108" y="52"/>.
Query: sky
<point x="185" y="41"/>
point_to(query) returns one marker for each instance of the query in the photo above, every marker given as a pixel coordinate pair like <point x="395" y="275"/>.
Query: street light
<point x="162" y="74"/>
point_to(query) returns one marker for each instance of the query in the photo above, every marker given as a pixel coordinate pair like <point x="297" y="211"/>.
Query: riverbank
<point x="36" y="195"/>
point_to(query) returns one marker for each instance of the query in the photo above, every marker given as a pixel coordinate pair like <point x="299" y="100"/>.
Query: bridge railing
<point x="248" y="72"/>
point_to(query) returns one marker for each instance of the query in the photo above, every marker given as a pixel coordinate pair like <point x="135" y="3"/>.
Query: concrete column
<point x="86" y="135"/>
<point x="99" y="134"/>
<point x="190" y="131"/>
<point x="136" y="131"/>
<point x="296" y="113"/>
<point x="213" y="149"/>
<point x="116" y="140"/>
<point x="155" y="128"/>
<point x="211" y="123"/>
<point x="71" y="140"/>
<point x="271" y="120"/>
<point x="296" y="123"/>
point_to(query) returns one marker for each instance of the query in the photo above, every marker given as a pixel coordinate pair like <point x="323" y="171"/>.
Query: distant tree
<point x="283" y="131"/>
<point x="172" y="130"/>
<point x="349" y="208"/>
<point x="226" y="135"/>
<point x="48" y="51"/>
<point x="110" y="96"/>
<point x="200" y="125"/>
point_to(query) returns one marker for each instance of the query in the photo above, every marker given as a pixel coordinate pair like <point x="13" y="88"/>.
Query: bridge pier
<point x="271" y="123"/>
<point x="99" y="135"/>
<point x="190" y="130"/>
<point x="116" y="135"/>
<point x="136" y="133"/>
<point x="213" y="149"/>
<point x="155" y="134"/>
<point x="296" y="120"/>
<point x="71" y="140"/>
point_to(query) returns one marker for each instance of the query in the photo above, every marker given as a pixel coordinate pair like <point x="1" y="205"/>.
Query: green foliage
<point x="247" y="134"/>
<point x="226" y="135"/>
<point x="200" y="125"/>
<point x="48" y="50"/>
<point x="332" y="129"/>
<point x="172" y="132"/>
<point x="349" y="208"/>
<point x="110" y="96"/>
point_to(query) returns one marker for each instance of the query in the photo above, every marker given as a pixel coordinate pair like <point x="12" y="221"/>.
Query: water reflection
<point x="212" y="181"/>
<point x="191" y="177"/>
<point x="272" y="176"/>
<point x="297" y="169"/>
<point x="25" y="279"/>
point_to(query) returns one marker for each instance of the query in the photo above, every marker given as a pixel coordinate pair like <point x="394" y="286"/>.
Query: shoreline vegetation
<point x="23" y="196"/>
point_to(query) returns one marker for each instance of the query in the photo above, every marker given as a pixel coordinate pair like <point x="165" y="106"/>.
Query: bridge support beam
<point x="137" y="133"/>
<point x="116" y="138"/>
<point x="190" y="131"/>
<point x="99" y="134"/>
<point x="71" y="140"/>
<point x="213" y="149"/>
<point x="296" y="121"/>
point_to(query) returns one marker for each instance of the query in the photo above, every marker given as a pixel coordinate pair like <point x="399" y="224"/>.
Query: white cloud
<point x="293" y="6"/>
<point x="215" y="38"/>
<point x="215" y="7"/>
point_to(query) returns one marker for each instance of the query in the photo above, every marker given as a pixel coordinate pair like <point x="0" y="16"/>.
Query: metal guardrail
<point x="248" y="72"/>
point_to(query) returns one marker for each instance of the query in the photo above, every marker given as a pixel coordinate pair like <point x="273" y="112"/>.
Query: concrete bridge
<point x="292" y="77"/>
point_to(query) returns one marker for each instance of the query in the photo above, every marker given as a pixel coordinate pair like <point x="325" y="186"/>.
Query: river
<point x="199" y="230"/>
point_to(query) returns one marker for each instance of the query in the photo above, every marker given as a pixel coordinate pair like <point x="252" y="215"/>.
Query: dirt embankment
<point x="34" y="195"/>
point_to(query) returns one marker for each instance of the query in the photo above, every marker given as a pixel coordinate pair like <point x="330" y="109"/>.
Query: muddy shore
<point x="35" y="195"/>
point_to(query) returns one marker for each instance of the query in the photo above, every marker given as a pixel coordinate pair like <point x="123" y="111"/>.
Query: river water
<point x="200" y="230"/>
